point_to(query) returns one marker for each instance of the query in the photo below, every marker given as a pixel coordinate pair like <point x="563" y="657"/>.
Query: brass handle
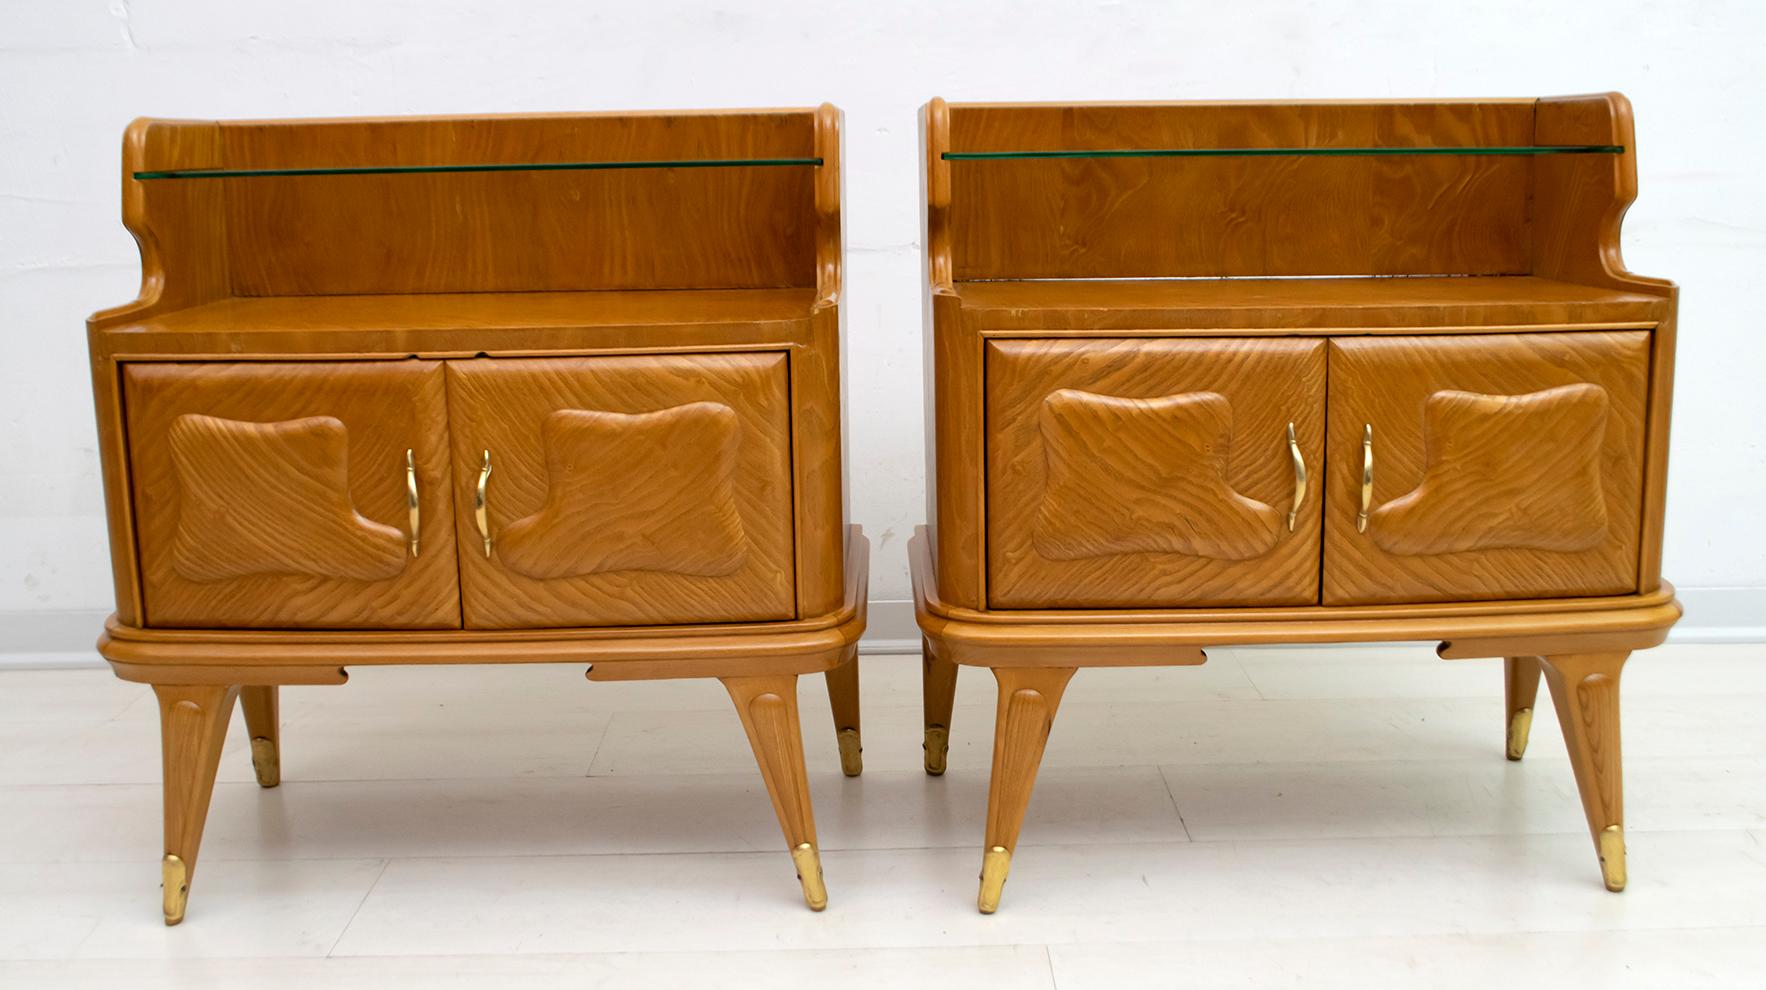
<point x="411" y="499"/>
<point x="480" y="514"/>
<point x="1367" y="476"/>
<point x="1299" y="477"/>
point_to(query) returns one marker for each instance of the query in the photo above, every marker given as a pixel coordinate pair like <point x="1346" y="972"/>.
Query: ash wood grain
<point x="504" y="406"/>
<point x="938" y="691"/>
<point x="1511" y="315"/>
<point x="293" y="656"/>
<point x="1388" y="382"/>
<point x="1504" y="472"/>
<point x="1585" y="690"/>
<point x="273" y="494"/>
<point x="1142" y="218"/>
<point x="178" y="269"/>
<point x="193" y="728"/>
<point x="952" y="365"/>
<point x="646" y="492"/>
<point x="767" y="705"/>
<point x="256" y="317"/>
<point x="478" y="232"/>
<point x="768" y="709"/>
<point x="1520" y="688"/>
<point x="1465" y="304"/>
<point x="1144" y="476"/>
<point x="260" y="705"/>
<point x="1028" y="700"/>
<point x="272" y="499"/>
<point x="710" y="303"/>
<point x="818" y="407"/>
<point x="843" y="701"/>
<point x="1164" y="493"/>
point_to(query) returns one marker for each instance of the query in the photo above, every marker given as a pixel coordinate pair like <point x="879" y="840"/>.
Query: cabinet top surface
<point x="1299" y="302"/>
<point x="482" y="311"/>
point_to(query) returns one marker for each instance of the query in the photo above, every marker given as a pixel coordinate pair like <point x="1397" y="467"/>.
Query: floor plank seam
<point x="385" y="864"/>
<point x="1169" y="793"/>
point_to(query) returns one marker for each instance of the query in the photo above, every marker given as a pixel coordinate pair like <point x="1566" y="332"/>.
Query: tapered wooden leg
<point x="1585" y="689"/>
<point x="843" y="698"/>
<point x="1520" y="686"/>
<point x="938" y="686"/>
<point x="263" y="726"/>
<point x="1027" y="701"/>
<point x="193" y="726"/>
<point x="768" y="706"/>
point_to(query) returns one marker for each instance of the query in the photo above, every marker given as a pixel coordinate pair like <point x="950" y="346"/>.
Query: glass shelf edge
<point x="253" y="173"/>
<point x="1561" y="149"/>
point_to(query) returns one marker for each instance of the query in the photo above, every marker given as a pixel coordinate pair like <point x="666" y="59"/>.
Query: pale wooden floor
<point x="1336" y="817"/>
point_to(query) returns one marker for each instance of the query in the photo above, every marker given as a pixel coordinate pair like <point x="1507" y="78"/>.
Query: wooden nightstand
<point x="557" y="388"/>
<point x="1219" y="374"/>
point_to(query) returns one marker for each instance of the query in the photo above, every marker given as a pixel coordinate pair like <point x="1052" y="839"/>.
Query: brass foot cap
<point x="852" y="763"/>
<point x="937" y="748"/>
<point x="265" y="761"/>
<point x="1519" y="725"/>
<point x="1612" y="857"/>
<point x="994" y="867"/>
<point x="175" y="878"/>
<point x="809" y="873"/>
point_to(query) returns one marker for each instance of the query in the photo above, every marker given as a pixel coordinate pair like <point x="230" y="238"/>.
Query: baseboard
<point x="64" y="639"/>
<point x="890" y="628"/>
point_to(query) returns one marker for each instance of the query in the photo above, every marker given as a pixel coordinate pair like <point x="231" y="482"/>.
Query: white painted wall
<point x="73" y="72"/>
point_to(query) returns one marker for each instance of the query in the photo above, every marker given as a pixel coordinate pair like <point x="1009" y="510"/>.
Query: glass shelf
<point x="1555" y="149"/>
<point x="251" y="173"/>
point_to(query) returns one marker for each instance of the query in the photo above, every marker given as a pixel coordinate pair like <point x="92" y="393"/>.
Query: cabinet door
<point x="624" y="490"/>
<point x="1153" y="472"/>
<point x="1503" y="466"/>
<point x="278" y="495"/>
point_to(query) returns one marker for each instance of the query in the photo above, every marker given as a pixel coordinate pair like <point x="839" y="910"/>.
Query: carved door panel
<point x="1503" y="466"/>
<point x="1153" y="472"/>
<point x="278" y="495"/>
<point x="624" y="490"/>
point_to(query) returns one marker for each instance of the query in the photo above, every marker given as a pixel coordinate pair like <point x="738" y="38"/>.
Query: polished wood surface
<point x="272" y="498"/>
<point x="1585" y="690"/>
<point x="502" y="231"/>
<point x="1157" y="637"/>
<point x="468" y="324"/>
<point x="1520" y="688"/>
<point x="938" y="689"/>
<point x="1028" y="700"/>
<point x="652" y="356"/>
<point x="843" y="702"/>
<point x="1505" y="466"/>
<point x="1125" y="473"/>
<point x="262" y="709"/>
<point x="768" y="708"/>
<point x="274" y="494"/>
<point x="290" y="656"/>
<point x="193" y="728"/>
<point x="1537" y="455"/>
<point x="624" y="490"/>
<point x="1139" y="217"/>
<point x="1516" y="382"/>
<point x="1319" y="305"/>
